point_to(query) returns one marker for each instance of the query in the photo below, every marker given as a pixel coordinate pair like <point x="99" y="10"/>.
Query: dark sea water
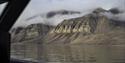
<point x="82" y="53"/>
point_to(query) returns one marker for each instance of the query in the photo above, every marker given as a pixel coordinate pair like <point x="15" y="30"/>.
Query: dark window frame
<point x="8" y="17"/>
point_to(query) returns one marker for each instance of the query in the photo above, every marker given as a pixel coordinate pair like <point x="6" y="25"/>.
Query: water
<point x="83" y="53"/>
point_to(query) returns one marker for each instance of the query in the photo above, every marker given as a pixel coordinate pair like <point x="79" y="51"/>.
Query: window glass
<point x="70" y="31"/>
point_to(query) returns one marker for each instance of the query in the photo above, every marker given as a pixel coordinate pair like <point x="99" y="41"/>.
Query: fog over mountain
<point x="86" y="39"/>
<point x="83" y="31"/>
<point x="42" y="7"/>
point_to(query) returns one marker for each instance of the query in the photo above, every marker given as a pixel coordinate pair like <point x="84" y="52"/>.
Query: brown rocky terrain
<point x="89" y="25"/>
<point x="31" y="32"/>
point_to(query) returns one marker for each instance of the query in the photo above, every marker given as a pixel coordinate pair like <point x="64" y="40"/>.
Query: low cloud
<point x="37" y="7"/>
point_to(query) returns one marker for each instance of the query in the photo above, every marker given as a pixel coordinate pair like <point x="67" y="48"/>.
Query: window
<point x="80" y="31"/>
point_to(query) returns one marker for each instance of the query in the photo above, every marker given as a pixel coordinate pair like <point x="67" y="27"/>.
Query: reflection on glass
<point x="70" y="31"/>
<point x="2" y="6"/>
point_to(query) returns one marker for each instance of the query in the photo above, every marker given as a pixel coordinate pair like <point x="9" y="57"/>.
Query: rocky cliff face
<point x="31" y="32"/>
<point x="92" y="24"/>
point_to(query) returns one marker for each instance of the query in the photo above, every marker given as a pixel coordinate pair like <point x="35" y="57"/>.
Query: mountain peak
<point x="73" y="28"/>
<point x="99" y="10"/>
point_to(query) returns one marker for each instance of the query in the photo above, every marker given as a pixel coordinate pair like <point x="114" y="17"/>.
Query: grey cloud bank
<point x="37" y="7"/>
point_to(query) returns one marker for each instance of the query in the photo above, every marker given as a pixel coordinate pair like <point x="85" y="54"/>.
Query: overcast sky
<point x="42" y="6"/>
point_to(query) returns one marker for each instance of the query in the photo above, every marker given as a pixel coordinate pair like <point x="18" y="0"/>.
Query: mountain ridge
<point x="93" y="23"/>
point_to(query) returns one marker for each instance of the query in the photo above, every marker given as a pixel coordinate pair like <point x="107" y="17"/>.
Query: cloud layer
<point x="37" y="7"/>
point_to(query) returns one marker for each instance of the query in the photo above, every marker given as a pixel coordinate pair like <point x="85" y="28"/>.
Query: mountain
<point x="115" y="11"/>
<point x="92" y="24"/>
<point x="30" y="32"/>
